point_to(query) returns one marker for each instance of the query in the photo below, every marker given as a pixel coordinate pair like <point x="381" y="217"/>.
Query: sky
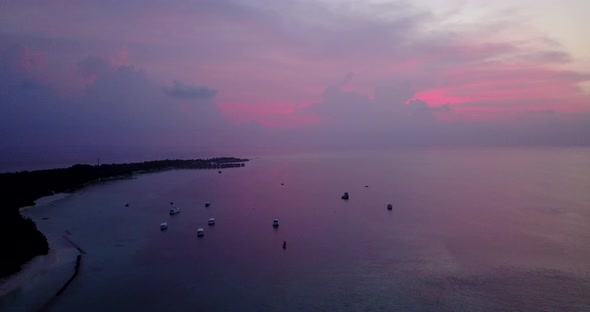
<point x="154" y="78"/>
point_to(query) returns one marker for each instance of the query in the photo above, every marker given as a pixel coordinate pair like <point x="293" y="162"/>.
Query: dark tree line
<point x="20" y="240"/>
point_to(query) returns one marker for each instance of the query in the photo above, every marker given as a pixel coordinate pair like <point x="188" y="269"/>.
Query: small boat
<point x="174" y="211"/>
<point x="163" y="226"/>
<point x="275" y="223"/>
<point x="200" y="232"/>
<point x="207" y="204"/>
<point x="389" y="206"/>
<point x="345" y="196"/>
<point x="211" y="221"/>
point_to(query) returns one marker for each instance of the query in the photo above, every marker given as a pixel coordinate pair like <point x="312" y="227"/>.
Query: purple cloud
<point x="183" y="90"/>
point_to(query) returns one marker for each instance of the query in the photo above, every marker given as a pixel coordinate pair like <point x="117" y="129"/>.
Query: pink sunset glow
<point x="154" y="73"/>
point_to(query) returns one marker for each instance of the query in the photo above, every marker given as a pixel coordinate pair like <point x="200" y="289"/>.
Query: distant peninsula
<point x="20" y="241"/>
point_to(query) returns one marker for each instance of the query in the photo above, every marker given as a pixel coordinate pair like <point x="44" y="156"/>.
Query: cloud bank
<point x="182" y="90"/>
<point x="259" y="75"/>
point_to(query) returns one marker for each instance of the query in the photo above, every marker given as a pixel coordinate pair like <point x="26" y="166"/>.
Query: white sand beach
<point x="57" y="264"/>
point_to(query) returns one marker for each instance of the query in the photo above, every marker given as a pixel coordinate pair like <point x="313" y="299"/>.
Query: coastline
<point x="36" y="284"/>
<point x="61" y="254"/>
<point x="43" y="201"/>
<point x="24" y="188"/>
<point x="29" y="271"/>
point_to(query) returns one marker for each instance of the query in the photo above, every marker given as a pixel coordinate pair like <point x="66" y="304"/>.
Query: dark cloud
<point x="27" y="105"/>
<point x="183" y="90"/>
<point x="31" y="84"/>
<point x="17" y="79"/>
<point x="93" y="66"/>
<point x="421" y="107"/>
<point x="352" y="109"/>
<point x="354" y="120"/>
<point x="121" y="110"/>
<point x="18" y="58"/>
<point x="286" y="50"/>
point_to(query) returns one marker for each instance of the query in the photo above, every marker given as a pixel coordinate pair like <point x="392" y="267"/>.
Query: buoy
<point x="345" y="196"/>
<point x="389" y="206"/>
<point x="285" y="245"/>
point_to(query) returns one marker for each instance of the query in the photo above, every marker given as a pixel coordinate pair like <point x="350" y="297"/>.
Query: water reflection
<point x="472" y="229"/>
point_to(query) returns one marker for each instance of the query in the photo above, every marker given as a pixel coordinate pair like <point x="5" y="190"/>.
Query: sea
<point x="470" y="229"/>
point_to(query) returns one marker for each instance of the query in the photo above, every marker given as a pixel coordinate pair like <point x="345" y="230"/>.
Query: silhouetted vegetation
<point x="20" y="240"/>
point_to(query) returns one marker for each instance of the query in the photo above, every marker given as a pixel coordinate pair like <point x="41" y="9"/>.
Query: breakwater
<point x="21" y="189"/>
<point x="76" y="270"/>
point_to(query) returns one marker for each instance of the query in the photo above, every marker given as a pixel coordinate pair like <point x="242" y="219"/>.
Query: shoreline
<point x="39" y="264"/>
<point x="61" y="251"/>
<point x="29" y="271"/>
<point x="38" y="267"/>
<point x="44" y="201"/>
<point x="51" y="271"/>
<point x="38" y="188"/>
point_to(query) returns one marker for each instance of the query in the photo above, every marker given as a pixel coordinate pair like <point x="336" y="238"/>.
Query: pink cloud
<point x="276" y="63"/>
<point x="270" y="114"/>
<point x="120" y="59"/>
<point x="507" y="87"/>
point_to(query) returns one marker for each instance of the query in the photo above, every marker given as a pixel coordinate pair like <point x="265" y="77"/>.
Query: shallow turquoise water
<point x="470" y="230"/>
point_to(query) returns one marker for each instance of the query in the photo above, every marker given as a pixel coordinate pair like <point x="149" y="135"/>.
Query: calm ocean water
<point x="491" y="229"/>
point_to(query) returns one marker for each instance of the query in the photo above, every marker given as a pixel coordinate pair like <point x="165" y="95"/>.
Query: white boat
<point x="207" y="204"/>
<point x="174" y="211"/>
<point x="200" y="232"/>
<point x="211" y="221"/>
<point x="275" y="223"/>
<point x="163" y="226"/>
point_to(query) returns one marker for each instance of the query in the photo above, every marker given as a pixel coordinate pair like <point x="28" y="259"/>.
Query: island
<point x="21" y="241"/>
